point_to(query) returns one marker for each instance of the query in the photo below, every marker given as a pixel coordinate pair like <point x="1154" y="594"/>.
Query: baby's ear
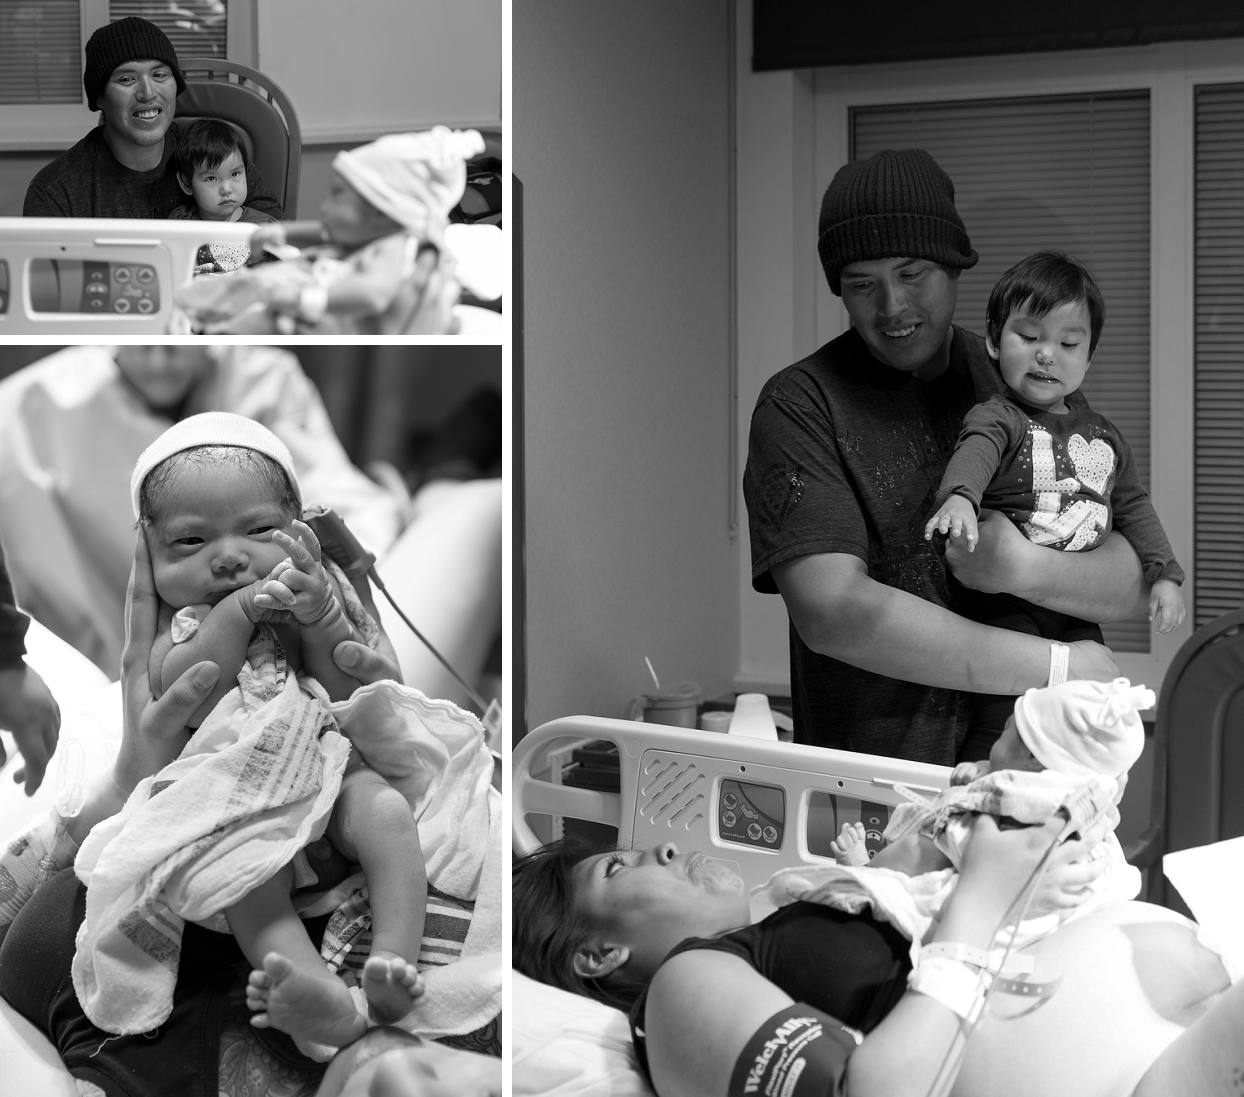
<point x="185" y="187"/>
<point x="990" y="348"/>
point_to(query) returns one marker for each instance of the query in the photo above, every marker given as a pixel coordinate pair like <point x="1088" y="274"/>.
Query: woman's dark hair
<point x="548" y="927"/>
<point x="161" y="479"/>
<point x="1040" y="283"/>
<point x="205" y="143"/>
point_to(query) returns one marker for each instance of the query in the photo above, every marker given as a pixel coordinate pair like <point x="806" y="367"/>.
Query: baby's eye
<point x="1070" y="346"/>
<point x="613" y="863"/>
<point x="261" y="529"/>
<point x="237" y="172"/>
<point x="188" y="542"/>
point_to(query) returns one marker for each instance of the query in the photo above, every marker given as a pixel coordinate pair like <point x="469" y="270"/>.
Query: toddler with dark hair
<point x="210" y="164"/>
<point x="1038" y="454"/>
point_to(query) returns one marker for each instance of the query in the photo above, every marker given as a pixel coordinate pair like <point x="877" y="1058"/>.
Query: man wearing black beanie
<point x="846" y="451"/>
<point x="122" y="167"/>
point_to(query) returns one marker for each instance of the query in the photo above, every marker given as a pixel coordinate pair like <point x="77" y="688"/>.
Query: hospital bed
<point x="102" y="277"/>
<point x="761" y="805"/>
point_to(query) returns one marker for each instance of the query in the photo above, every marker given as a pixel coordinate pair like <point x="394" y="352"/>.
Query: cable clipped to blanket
<point x="343" y="548"/>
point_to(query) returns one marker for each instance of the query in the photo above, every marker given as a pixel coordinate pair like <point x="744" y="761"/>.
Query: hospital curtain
<point x="1218" y="287"/>
<point x="1067" y="172"/>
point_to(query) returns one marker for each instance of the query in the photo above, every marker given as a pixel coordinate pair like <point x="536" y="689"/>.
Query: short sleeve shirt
<point x="845" y="456"/>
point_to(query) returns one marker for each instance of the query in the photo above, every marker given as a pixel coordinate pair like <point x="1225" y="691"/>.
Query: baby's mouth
<point x="1044" y="378"/>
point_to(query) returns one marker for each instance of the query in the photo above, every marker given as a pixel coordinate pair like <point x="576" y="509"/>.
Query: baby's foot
<point x="850" y="849"/>
<point x="390" y="985"/>
<point x="310" y="1007"/>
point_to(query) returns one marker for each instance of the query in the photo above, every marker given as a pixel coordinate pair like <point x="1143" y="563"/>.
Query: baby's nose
<point x="230" y="560"/>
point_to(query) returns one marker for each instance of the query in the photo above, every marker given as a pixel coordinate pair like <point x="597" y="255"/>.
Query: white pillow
<point x="565" y="1045"/>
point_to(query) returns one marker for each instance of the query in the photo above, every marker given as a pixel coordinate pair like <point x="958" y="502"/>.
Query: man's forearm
<point x="1104" y="584"/>
<point x="878" y="628"/>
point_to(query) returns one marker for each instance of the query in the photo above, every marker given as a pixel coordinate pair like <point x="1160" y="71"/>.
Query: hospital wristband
<point x="952" y="984"/>
<point x="957" y="951"/>
<point x="1060" y="655"/>
<point x="312" y="303"/>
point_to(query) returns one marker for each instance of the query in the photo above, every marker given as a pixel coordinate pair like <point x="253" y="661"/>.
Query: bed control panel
<point x="749" y="814"/>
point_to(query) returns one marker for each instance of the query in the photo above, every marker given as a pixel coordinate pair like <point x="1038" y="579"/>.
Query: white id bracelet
<point x="1060" y="655"/>
<point x="312" y="303"/>
<point x="952" y="983"/>
<point x="955" y="950"/>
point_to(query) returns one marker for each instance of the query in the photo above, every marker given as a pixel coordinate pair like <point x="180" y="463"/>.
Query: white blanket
<point x="252" y="788"/>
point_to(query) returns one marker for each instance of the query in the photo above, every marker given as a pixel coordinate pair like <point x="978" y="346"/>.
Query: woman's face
<point x="650" y="900"/>
<point x="162" y="376"/>
<point x="212" y="534"/>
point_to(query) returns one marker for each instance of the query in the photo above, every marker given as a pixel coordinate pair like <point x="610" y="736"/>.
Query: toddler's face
<point x="350" y="220"/>
<point x="220" y="191"/>
<point x="212" y="535"/>
<point x="1044" y="359"/>
<point x="1009" y="751"/>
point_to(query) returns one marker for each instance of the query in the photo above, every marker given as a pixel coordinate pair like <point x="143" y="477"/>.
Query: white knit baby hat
<point x="210" y="428"/>
<point x="1084" y="728"/>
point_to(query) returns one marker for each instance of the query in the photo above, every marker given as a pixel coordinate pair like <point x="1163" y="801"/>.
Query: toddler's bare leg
<point x="290" y="987"/>
<point x="372" y="824"/>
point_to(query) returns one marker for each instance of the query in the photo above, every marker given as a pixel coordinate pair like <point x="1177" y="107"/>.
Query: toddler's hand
<point x="1166" y="606"/>
<point x="955" y="518"/>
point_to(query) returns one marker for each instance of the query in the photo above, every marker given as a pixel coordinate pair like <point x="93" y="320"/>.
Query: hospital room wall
<point x="395" y="65"/>
<point x="622" y="118"/>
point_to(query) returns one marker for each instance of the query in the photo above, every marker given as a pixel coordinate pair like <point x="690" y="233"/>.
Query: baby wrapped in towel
<point x="1070" y="744"/>
<point x="285" y="753"/>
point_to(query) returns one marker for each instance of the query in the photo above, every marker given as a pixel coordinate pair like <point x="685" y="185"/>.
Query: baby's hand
<point x="967" y="772"/>
<point x="299" y="583"/>
<point x="956" y="518"/>
<point x="1166" y="605"/>
<point x="267" y="239"/>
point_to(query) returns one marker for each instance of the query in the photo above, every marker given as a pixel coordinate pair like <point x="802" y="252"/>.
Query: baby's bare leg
<point x="298" y="994"/>
<point x="372" y="824"/>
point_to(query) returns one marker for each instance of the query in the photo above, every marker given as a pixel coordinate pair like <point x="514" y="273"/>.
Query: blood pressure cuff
<point x="798" y="1052"/>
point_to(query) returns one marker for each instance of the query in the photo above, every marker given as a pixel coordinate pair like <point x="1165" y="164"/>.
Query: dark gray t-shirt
<point x="845" y="456"/>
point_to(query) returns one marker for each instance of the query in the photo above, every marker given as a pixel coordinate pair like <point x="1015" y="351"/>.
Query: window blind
<point x="195" y="27"/>
<point x="1065" y="172"/>
<point x="1218" y="387"/>
<point x="41" y="43"/>
<point x="40" y="52"/>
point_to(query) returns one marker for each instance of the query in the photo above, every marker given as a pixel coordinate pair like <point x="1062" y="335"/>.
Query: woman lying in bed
<point x="812" y="1001"/>
<point x="42" y="905"/>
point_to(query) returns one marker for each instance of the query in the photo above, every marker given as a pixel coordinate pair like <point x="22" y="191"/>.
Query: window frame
<point x="56" y="126"/>
<point x="813" y="139"/>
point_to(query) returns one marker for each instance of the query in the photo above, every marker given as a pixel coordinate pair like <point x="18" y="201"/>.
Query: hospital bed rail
<point x="760" y="804"/>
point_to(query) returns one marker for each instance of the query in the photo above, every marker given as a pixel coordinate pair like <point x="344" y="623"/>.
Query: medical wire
<point x="1078" y="820"/>
<point x="471" y="691"/>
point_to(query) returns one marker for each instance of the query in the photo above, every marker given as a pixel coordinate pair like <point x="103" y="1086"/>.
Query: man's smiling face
<point x="138" y="103"/>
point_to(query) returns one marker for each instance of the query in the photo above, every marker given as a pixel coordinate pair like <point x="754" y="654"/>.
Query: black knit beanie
<point x="896" y="204"/>
<point x="128" y="39"/>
